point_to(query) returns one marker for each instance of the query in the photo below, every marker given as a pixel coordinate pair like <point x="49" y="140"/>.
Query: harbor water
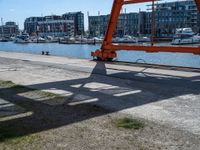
<point x="84" y="51"/>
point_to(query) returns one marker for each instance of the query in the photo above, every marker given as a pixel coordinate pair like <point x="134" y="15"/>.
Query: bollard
<point x="47" y="53"/>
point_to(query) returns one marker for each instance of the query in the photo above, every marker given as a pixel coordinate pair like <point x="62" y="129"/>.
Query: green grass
<point x="23" y="140"/>
<point x="1" y="119"/>
<point x="129" y="123"/>
<point x="48" y="94"/>
<point x="13" y="86"/>
<point x="6" y="83"/>
<point x="19" y="88"/>
<point x="12" y="136"/>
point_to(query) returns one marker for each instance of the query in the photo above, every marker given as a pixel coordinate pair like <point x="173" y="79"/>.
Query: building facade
<point x="172" y="15"/>
<point x="69" y="24"/>
<point x="168" y="17"/>
<point x="55" y="26"/>
<point x="198" y="22"/>
<point x="128" y="24"/>
<point x="78" y="18"/>
<point x="9" y="29"/>
<point x="30" y="24"/>
<point x="98" y="25"/>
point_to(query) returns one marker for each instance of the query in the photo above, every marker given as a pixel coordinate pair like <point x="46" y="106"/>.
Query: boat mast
<point x="139" y="23"/>
<point x="2" y="31"/>
<point x="125" y="23"/>
<point x="99" y="28"/>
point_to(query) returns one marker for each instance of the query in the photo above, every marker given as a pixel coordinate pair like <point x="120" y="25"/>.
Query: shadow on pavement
<point x="97" y="95"/>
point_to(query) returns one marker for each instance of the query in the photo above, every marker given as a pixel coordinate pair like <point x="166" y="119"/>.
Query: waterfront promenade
<point x="167" y="96"/>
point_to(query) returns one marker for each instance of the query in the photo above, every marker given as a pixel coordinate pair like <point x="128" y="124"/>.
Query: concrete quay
<point x="168" y="96"/>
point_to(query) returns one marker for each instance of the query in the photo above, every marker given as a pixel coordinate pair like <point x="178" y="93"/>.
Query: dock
<point x="139" y="90"/>
<point x="166" y="95"/>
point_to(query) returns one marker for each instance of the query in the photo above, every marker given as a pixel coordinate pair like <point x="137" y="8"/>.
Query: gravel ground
<point x="39" y="120"/>
<point x="80" y="100"/>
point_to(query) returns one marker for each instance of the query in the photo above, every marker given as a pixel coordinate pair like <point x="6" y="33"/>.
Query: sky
<point x="19" y="10"/>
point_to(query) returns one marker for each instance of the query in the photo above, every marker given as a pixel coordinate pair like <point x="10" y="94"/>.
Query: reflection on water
<point x="83" y="51"/>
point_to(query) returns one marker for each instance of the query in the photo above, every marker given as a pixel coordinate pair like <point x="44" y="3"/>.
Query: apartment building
<point x="9" y="29"/>
<point x="69" y="24"/>
<point x="168" y="17"/>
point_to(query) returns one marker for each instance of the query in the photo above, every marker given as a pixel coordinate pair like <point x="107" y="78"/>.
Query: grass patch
<point x="10" y="84"/>
<point x="23" y="140"/>
<point x="129" y="123"/>
<point x="10" y="135"/>
<point x="48" y="94"/>
<point x="16" y="88"/>
<point x="6" y="83"/>
<point x="1" y="118"/>
<point x="20" y="89"/>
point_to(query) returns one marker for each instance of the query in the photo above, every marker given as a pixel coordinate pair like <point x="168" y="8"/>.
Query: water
<point x="84" y="51"/>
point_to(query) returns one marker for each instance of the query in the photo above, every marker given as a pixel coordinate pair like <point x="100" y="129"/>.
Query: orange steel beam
<point x="153" y="23"/>
<point x="154" y="49"/>
<point x="108" y="49"/>
<point x="198" y="4"/>
<point x="135" y="1"/>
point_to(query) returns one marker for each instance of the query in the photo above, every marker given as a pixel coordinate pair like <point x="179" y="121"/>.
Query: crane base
<point x="104" y="55"/>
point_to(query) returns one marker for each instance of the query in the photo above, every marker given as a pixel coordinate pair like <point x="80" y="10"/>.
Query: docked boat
<point x="143" y="39"/>
<point x="40" y="40"/>
<point x="4" y="40"/>
<point x="125" y="39"/>
<point x="95" y="40"/>
<point x="22" y="39"/>
<point x="185" y="36"/>
<point x="51" y="39"/>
